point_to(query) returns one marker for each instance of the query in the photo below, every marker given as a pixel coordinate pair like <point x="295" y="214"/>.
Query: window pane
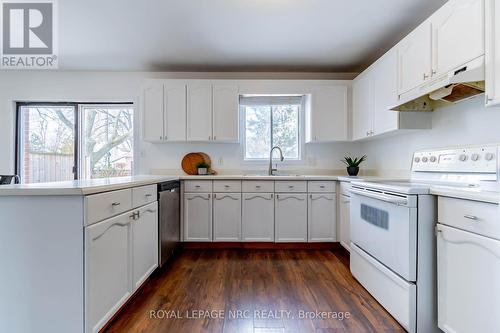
<point x="107" y="141"/>
<point x="286" y="130"/>
<point x="46" y="146"/>
<point x="257" y="131"/>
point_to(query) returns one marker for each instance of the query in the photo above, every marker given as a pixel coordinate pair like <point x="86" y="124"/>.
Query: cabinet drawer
<point x="143" y="195"/>
<point x="104" y="205"/>
<point x="290" y="186"/>
<point x="202" y="186"/>
<point x="478" y="217"/>
<point x="319" y="186"/>
<point x="257" y="186"/>
<point x="345" y="188"/>
<point x="227" y="186"/>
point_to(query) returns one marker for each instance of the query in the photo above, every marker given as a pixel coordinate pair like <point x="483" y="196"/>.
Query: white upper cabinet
<point x="362" y="106"/>
<point x="153" y="112"/>
<point x="175" y="111"/>
<point x="492" y="53"/>
<point x="385" y="93"/>
<point x="165" y="111"/>
<point x="327" y="114"/>
<point x="199" y="112"/>
<point x="415" y="58"/>
<point x="458" y="34"/>
<point x="225" y="113"/>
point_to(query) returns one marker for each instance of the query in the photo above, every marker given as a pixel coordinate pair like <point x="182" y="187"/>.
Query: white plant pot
<point x="202" y="171"/>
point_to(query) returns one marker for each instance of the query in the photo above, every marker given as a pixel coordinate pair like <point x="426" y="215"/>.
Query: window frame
<point x="78" y="141"/>
<point x="265" y="161"/>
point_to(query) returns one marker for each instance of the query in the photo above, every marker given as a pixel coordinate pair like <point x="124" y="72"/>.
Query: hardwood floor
<point x="254" y="282"/>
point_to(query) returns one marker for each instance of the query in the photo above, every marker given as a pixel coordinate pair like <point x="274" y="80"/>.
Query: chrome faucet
<point x="271" y="170"/>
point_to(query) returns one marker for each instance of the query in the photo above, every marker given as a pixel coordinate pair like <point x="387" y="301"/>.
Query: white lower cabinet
<point x="144" y="243"/>
<point x="198" y="217"/>
<point x="291" y="218"/>
<point x="344" y="221"/>
<point x="322" y="217"/>
<point x="107" y="269"/>
<point x="258" y="217"/>
<point x="227" y="217"/>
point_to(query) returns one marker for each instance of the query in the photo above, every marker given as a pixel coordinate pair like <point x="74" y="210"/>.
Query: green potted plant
<point x="202" y="168"/>
<point x="353" y="164"/>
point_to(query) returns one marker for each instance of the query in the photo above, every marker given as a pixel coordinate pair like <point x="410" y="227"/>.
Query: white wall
<point x="468" y="122"/>
<point x="125" y="86"/>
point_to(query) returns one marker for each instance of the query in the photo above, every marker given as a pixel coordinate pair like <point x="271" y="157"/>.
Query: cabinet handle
<point x="148" y="195"/>
<point x="434" y="72"/>
<point x="322" y="186"/>
<point x="227" y="186"/>
<point x="489" y="99"/>
<point x="471" y="217"/>
<point x="346" y="201"/>
<point x="425" y="76"/>
<point x="215" y="138"/>
<point x="151" y="210"/>
<point x="291" y="186"/>
<point x="114" y="204"/>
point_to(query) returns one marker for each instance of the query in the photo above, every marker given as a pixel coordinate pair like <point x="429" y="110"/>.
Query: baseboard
<point x="259" y="246"/>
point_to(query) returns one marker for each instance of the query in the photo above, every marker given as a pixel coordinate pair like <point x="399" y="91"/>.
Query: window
<point x="271" y="121"/>
<point x="65" y="141"/>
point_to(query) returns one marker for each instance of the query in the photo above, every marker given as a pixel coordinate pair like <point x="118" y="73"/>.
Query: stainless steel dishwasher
<point x="168" y="219"/>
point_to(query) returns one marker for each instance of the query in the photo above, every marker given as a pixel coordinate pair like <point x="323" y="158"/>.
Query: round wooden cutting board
<point x="191" y="160"/>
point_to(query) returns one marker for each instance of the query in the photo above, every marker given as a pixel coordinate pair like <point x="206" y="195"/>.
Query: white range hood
<point x="455" y="86"/>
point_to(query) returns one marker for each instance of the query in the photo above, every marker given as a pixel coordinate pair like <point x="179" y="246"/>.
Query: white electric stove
<point x="393" y="248"/>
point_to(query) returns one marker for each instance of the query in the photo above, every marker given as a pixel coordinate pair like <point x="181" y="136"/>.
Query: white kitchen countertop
<point x="93" y="186"/>
<point x="82" y="187"/>
<point x="475" y="194"/>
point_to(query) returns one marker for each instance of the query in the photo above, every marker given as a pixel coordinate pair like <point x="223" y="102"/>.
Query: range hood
<point x="458" y="85"/>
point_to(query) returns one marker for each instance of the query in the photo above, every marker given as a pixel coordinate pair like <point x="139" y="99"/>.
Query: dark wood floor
<point x="255" y="282"/>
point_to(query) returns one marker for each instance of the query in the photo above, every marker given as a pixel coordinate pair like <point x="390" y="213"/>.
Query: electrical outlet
<point x="221" y="161"/>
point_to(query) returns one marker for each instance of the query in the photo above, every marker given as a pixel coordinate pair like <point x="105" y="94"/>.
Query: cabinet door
<point x="468" y="274"/>
<point x="492" y="53"/>
<point x="414" y="58"/>
<point x="226" y="113"/>
<point x="258" y="217"/>
<point x="153" y="112"/>
<point x="198" y="217"/>
<point x="107" y="269"/>
<point x="458" y="34"/>
<point x="227" y="217"/>
<point x="199" y="112"/>
<point x="291" y="218"/>
<point x="328" y="114"/>
<point x="322" y="218"/>
<point x="385" y="93"/>
<point x="175" y="112"/>
<point x="362" y="106"/>
<point x="144" y="244"/>
<point x="344" y="225"/>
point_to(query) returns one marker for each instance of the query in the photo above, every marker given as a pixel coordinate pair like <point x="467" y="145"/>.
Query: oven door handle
<point x="382" y="197"/>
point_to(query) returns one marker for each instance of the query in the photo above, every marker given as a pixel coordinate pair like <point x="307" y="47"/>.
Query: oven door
<point x="385" y="226"/>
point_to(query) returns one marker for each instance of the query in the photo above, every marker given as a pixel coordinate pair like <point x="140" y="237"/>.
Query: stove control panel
<point x="474" y="159"/>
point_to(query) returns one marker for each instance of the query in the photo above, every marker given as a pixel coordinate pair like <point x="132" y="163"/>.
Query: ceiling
<point x="233" y="35"/>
